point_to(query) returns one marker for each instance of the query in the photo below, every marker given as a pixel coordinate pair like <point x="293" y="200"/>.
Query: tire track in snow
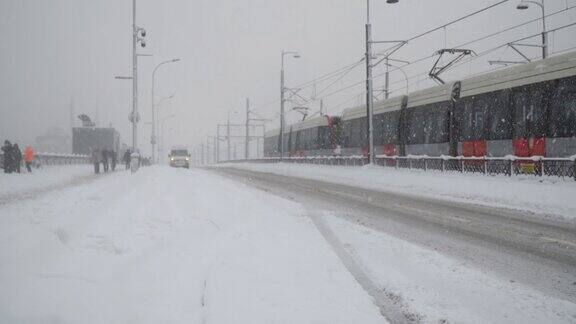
<point x="204" y="302"/>
<point x="390" y="304"/>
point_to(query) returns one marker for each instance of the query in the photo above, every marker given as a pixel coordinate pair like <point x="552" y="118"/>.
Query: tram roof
<point x="305" y="124"/>
<point x="555" y="67"/>
<point x="309" y="123"/>
<point x="380" y="106"/>
<point x="272" y="132"/>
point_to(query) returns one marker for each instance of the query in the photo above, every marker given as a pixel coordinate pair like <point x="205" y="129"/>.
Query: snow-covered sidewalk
<point x="170" y="246"/>
<point x="14" y="184"/>
<point x="544" y="196"/>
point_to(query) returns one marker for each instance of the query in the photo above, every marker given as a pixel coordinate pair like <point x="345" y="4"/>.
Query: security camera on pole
<point x="138" y="35"/>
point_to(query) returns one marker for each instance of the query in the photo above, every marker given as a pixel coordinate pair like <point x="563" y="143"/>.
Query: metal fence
<point x="41" y="159"/>
<point x="509" y="165"/>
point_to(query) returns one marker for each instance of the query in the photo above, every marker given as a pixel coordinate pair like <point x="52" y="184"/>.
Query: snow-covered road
<point x="170" y="246"/>
<point x="437" y="260"/>
<point x="549" y="196"/>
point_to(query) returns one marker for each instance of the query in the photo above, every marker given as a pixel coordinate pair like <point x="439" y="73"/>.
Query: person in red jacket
<point x="28" y="157"/>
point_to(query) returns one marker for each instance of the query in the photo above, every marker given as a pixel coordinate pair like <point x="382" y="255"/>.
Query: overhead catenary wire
<point x="479" y="55"/>
<point x="457" y="20"/>
<point x="427" y="32"/>
<point x="503" y="45"/>
<point x="341" y="72"/>
<point x="422" y="35"/>
<point x="336" y="72"/>
<point x="483" y="38"/>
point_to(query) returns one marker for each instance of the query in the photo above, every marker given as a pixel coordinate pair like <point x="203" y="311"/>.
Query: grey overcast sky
<point x="57" y="52"/>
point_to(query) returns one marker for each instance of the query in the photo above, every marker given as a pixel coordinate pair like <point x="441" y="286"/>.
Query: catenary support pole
<point x="282" y="108"/>
<point x="134" y="115"/>
<point x="228" y="135"/>
<point x="369" y="92"/>
<point x="218" y="144"/>
<point x="247" y="148"/>
<point x="215" y="146"/>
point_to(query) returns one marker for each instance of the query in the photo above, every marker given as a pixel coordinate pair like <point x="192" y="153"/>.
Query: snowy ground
<point x="436" y="288"/>
<point x="13" y="184"/>
<point x="170" y="246"/>
<point x="547" y="196"/>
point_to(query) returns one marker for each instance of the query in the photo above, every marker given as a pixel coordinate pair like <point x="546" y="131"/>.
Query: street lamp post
<point x="138" y="35"/>
<point x="157" y="110"/>
<point x="523" y="5"/>
<point x="161" y="141"/>
<point x="153" y="135"/>
<point x="282" y="88"/>
<point x="369" y="90"/>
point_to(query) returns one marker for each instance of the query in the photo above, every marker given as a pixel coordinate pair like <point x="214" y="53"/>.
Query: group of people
<point x="107" y="158"/>
<point x="13" y="157"/>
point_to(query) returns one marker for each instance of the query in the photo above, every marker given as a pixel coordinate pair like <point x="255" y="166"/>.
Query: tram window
<point x="361" y="132"/>
<point x="563" y="109"/>
<point x="305" y="139"/>
<point x="347" y="134"/>
<point x="528" y="110"/>
<point x="322" y="141"/>
<point x="498" y="115"/>
<point x="379" y="128"/>
<point x="428" y="127"/>
<point x="441" y="127"/>
<point x="415" y="126"/>
<point x="286" y="142"/>
<point x="328" y="134"/>
<point x="314" y="138"/>
<point x="467" y="118"/>
<point x="479" y="124"/>
<point x="390" y="129"/>
<point x="357" y="132"/>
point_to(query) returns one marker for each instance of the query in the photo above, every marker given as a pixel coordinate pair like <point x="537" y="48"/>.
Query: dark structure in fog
<point x="85" y="139"/>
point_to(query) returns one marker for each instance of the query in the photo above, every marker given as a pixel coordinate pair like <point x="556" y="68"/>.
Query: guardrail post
<point x="511" y="167"/>
<point x="485" y="166"/>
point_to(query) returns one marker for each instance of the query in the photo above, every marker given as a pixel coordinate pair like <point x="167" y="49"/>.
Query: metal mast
<point x="369" y="99"/>
<point x="134" y="117"/>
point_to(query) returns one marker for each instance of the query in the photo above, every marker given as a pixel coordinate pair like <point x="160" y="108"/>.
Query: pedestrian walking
<point x="17" y="157"/>
<point x="8" y="163"/>
<point x="28" y="158"/>
<point x="127" y="157"/>
<point x="96" y="159"/>
<point x="114" y="159"/>
<point x="105" y="160"/>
